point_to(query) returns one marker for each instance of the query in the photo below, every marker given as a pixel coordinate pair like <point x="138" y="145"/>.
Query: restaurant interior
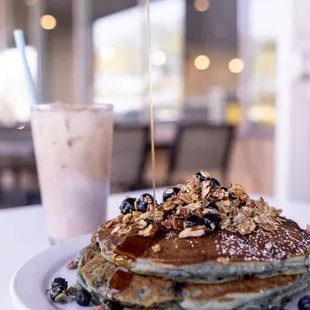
<point x="217" y="69"/>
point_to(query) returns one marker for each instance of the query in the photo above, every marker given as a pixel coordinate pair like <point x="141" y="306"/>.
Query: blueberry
<point x="128" y="205"/>
<point x="112" y="305"/>
<point x="304" y="303"/>
<point x="201" y="177"/>
<point x="232" y="196"/>
<point x="144" y="201"/>
<point x="83" y="298"/>
<point x="275" y="308"/>
<point x="214" y="182"/>
<point x="224" y="188"/>
<point x="60" y="282"/>
<point x="170" y="192"/>
<point x="58" y="294"/>
<point x="178" y="288"/>
<point x="213" y="207"/>
<point x="211" y="221"/>
<point x="192" y="220"/>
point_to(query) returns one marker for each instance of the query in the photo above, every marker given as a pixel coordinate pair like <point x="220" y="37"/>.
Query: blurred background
<point x="220" y="68"/>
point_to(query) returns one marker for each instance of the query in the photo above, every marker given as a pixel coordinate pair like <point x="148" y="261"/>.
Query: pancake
<point x="105" y="281"/>
<point x="204" y="233"/>
<point x="214" y="257"/>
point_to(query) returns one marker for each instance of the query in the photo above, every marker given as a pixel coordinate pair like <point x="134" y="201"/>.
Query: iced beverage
<point x="73" y="152"/>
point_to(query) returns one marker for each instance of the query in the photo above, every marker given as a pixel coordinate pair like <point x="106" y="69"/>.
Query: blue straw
<point x="20" y="44"/>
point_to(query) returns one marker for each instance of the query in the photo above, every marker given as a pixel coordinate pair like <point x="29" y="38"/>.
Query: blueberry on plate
<point x="128" y="205"/>
<point x="211" y="221"/>
<point x="224" y="188"/>
<point x="83" y="298"/>
<point x="213" y="207"/>
<point x="202" y="176"/>
<point x="214" y="182"/>
<point x="60" y="282"/>
<point x="170" y="192"/>
<point x="192" y="221"/>
<point x="144" y="201"/>
<point x="275" y="308"/>
<point x="304" y="303"/>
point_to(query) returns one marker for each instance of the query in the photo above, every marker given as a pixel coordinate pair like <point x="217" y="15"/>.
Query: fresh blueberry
<point x="304" y="303"/>
<point x="192" y="220"/>
<point x="213" y="207"/>
<point x="232" y="196"/>
<point x="201" y="177"/>
<point x="144" y="201"/>
<point x="58" y="294"/>
<point x="83" y="298"/>
<point x="224" y="188"/>
<point x="170" y="192"/>
<point x="60" y="282"/>
<point x="128" y="205"/>
<point x="112" y="305"/>
<point x="275" y="308"/>
<point x="211" y="221"/>
<point x="214" y="182"/>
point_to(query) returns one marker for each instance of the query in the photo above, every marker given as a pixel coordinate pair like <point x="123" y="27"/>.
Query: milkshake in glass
<point x="73" y="146"/>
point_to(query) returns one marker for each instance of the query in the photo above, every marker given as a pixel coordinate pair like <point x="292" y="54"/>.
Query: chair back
<point x="128" y="155"/>
<point x="202" y="146"/>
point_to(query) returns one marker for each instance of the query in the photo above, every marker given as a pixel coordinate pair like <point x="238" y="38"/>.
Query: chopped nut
<point x="141" y="224"/>
<point x="72" y="264"/>
<point x="159" y="215"/>
<point x="71" y="290"/>
<point x="117" y="220"/>
<point x="308" y="229"/>
<point x="205" y="189"/>
<point x="127" y="218"/>
<point x="61" y="298"/>
<point x="246" y="227"/>
<point x="169" y="205"/>
<point x="148" y="231"/>
<point x="125" y="230"/>
<point x="205" y="174"/>
<point x="192" y="232"/>
<point x="136" y="214"/>
<point x="116" y="229"/>
<point x="145" y="216"/>
<point x="183" y="211"/>
<point x="99" y="308"/>
<point x="222" y="260"/>
<point x="167" y="224"/>
<point x="194" y="206"/>
<point x="177" y="223"/>
<point x="156" y="248"/>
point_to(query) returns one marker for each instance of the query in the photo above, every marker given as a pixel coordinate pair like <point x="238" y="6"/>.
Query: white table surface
<point x="22" y="234"/>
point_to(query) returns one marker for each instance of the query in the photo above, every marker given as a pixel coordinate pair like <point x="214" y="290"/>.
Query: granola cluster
<point x="197" y="207"/>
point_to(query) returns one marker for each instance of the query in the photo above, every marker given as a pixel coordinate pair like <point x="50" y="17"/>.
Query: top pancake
<point x="212" y="256"/>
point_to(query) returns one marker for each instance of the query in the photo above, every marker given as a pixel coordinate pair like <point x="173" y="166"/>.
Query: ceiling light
<point x="202" y="62"/>
<point x="201" y="5"/>
<point x="235" y="65"/>
<point x="48" y="22"/>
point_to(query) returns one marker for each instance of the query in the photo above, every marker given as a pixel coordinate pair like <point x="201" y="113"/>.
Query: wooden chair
<point x="201" y="146"/>
<point x="129" y="154"/>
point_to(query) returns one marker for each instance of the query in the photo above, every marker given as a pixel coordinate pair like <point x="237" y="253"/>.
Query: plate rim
<point x="15" y="297"/>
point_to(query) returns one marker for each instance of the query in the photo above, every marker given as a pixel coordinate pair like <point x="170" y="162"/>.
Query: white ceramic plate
<point x="28" y="286"/>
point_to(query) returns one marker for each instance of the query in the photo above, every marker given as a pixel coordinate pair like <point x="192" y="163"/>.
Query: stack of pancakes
<point x="253" y="259"/>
